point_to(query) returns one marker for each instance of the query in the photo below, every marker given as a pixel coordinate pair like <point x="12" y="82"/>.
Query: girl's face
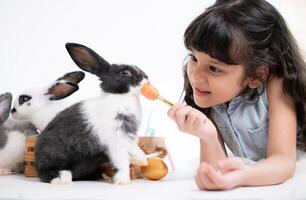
<point x="212" y="81"/>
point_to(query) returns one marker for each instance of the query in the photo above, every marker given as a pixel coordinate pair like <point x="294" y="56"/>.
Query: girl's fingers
<point x="180" y="116"/>
<point x="216" y="178"/>
<point x="205" y="180"/>
<point x="192" y="118"/>
<point x="199" y="182"/>
<point x="171" y="112"/>
<point x="209" y="178"/>
<point x="230" y="164"/>
<point x="201" y="119"/>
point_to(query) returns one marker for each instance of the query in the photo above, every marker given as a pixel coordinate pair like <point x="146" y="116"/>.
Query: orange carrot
<point x="151" y="93"/>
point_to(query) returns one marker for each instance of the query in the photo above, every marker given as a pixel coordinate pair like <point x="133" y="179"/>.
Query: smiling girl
<point x="245" y="86"/>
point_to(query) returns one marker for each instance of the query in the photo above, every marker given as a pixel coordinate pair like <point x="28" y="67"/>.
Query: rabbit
<point x="12" y="138"/>
<point x="40" y="105"/>
<point x="103" y="129"/>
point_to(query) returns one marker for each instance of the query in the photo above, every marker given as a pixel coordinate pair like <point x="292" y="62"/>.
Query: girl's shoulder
<point x="274" y="84"/>
<point x="275" y="91"/>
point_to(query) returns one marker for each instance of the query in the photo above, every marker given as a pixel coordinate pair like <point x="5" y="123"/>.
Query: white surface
<point x="178" y="184"/>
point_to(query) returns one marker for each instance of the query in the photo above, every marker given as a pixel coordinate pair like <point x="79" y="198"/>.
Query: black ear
<point x="5" y="106"/>
<point x="73" y="77"/>
<point x="87" y="59"/>
<point x="65" y="85"/>
<point x="61" y="89"/>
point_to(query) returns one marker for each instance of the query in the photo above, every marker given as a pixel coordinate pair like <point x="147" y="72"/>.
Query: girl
<point x="245" y="86"/>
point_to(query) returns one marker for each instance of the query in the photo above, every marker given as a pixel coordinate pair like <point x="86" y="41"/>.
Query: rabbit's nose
<point x="13" y="110"/>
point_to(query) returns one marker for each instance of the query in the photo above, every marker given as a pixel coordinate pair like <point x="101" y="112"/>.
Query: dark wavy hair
<point x="254" y="34"/>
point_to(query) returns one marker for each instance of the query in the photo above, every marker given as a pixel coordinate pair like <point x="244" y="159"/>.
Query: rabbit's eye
<point x="125" y="72"/>
<point x="24" y="98"/>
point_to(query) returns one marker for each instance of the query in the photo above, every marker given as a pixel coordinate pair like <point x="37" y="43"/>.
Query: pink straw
<point x="170" y="160"/>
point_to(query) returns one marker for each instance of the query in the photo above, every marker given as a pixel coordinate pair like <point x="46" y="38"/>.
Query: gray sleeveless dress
<point x="243" y="125"/>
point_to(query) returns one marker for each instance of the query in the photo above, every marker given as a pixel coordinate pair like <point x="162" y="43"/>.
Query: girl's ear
<point x="261" y="75"/>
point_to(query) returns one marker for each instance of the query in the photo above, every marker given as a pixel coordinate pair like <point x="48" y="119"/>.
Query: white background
<point x="148" y="34"/>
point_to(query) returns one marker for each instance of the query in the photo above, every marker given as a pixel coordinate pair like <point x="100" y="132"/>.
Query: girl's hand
<point x="192" y="121"/>
<point x="230" y="174"/>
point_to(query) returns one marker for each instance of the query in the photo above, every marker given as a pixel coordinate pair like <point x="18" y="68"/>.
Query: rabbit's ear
<point x="61" y="89"/>
<point x="65" y="85"/>
<point x="73" y="77"/>
<point x="87" y="59"/>
<point x="5" y="106"/>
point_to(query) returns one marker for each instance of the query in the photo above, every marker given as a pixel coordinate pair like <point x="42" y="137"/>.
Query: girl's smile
<point x="201" y="93"/>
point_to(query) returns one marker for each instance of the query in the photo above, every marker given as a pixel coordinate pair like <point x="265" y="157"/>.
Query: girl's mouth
<point x="201" y="93"/>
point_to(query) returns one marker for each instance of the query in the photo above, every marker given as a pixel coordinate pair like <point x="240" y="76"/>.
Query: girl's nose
<point x="198" y="74"/>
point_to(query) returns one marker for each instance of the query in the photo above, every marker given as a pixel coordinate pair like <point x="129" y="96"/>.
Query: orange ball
<point x="155" y="170"/>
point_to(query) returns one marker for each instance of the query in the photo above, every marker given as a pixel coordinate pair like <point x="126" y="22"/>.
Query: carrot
<point x="151" y="93"/>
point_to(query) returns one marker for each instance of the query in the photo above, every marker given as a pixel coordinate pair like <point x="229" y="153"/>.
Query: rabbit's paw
<point x="106" y="177"/>
<point x="121" y="178"/>
<point x="5" y="171"/>
<point x="65" y="178"/>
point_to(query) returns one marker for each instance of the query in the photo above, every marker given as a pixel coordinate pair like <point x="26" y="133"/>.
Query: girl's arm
<point x="194" y="122"/>
<point x="279" y="165"/>
<point x="281" y="151"/>
<point x="212" y="150"/>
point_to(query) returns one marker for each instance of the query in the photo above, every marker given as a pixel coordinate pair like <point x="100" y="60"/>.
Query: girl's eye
<point x="193" y="58"/>
<point x="125" y="72"/>
<point x="214" y="69"/>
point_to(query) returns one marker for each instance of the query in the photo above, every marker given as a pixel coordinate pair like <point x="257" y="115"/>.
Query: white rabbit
<point x="104" y="129"/>
<point x="40" y="105"/>
<point x="12" y="138"/>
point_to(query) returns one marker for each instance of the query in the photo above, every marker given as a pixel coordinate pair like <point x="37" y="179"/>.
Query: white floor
<point x="178" y="184"/>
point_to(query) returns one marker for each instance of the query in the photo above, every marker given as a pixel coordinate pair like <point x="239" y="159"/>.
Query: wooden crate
<point x="147" y="144"/>
<point x="29" y="156"/>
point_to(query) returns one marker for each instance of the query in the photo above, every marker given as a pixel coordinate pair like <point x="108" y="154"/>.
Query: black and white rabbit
<point x="12" y="138"/>
<point x="40" y="105"/>
<point x="102" y="129"/>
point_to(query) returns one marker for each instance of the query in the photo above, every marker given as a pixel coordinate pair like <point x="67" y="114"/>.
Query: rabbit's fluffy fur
<point x="104" y="129"/>
<point x="40" y="105"/>
<point x="12" y="138"/>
